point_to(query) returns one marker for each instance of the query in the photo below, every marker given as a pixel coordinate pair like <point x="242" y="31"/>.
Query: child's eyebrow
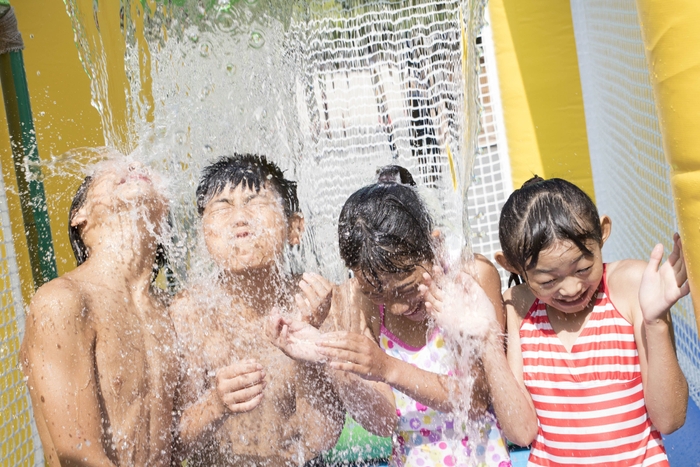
<point x="549" y="271"/>
<point x="405" y="287"/>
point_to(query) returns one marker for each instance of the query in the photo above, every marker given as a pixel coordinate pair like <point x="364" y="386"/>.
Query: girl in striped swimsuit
<point x="593" y="377"/>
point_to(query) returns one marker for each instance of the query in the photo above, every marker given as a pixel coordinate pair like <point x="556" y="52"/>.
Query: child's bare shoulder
<point x="59" y="298"/>
<point x="625" y="276"/>
<point x="519" y="299"/>
<point x="485" y="268"/>
<point x="185" y="308"/>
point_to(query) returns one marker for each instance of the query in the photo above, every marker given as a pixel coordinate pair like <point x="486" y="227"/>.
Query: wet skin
<point x="244" y="402"/>
<point x="99" y="345"/>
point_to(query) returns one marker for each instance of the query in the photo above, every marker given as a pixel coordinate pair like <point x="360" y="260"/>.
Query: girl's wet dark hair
<point x="252" y="170"/>
<point x="385" y="227"/>
<point x="540" y="213"/>
<point x="80" y="251"/>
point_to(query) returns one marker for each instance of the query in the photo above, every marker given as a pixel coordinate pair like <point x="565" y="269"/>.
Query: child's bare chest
<point x="136" y="359"/>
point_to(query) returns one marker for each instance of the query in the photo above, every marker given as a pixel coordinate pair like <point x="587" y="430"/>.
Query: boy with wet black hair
<point x="243" y="401"/>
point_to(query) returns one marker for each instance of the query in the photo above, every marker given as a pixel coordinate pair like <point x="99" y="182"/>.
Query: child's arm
<point x="362" y="356"/>
<point x="510" y="399"/>
<point x="370" y="403"/>
<point x="665" y="386"/>
<point x="236" y="388"/>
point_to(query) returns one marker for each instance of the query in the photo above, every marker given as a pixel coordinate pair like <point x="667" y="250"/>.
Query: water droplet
<point x="206" y="90"/>
<point x="42" y="113"/>
<point x="208" y="148"/>
<point x="180" y="137"/>
<point x="193" y="36"/>
<point x="226" y="21"/>
<point x="38" y="73"/>
<point x="205" y="49"/>
<point x="257" y="39"/>
<point x="230" y="68"/>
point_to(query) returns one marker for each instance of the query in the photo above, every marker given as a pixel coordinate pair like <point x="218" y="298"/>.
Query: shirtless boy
<point x="243" y="401"/>
<point x="99" y="346"/>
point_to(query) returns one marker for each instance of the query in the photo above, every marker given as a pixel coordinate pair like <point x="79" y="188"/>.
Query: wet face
<point x="399" y="293"/>
<point x="565" y="278"/>
<point x="245" y="229"/>
<point x="125" y="186"/>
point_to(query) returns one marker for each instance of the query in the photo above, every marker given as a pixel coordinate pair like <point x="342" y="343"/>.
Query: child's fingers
<point x="676" y="253"/>
<point x="431" y="284"/>
<point x="685" y="289"/>
<point x="438" y="273"/>
<point x="309" y="291"/>
<point x="339" y="355"/>
<point x="245" y="406"/>
<point x="343" y="366"/>
<point x="655" y="258"/>
<point x="300" y="301"/>
<point x="319" y="283"/>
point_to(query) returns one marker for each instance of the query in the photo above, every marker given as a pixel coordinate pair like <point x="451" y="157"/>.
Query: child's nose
<point x="396" y="307"/>
<point x="570" y="287"/>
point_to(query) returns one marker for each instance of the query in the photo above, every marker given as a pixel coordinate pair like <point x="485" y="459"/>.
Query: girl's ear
<point x="295" y="228"/>
<point x="503" y="262"/>
<point x="605" y="227"/>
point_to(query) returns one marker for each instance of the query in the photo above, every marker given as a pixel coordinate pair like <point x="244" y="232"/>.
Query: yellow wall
<point x="671" y="36"/>
<point x="541" y="90"/>
<point x="64" y="119"/>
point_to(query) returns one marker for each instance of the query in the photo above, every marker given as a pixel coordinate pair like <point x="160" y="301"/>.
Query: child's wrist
<point x="391" y="372"/>
<point x="656" y="324"/>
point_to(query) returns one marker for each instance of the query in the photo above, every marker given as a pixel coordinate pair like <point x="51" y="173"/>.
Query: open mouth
<point x="581" y="300"/>
<point x="416" y="312"/>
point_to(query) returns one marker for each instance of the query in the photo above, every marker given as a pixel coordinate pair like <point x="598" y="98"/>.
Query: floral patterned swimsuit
<point x="425" y="437"/>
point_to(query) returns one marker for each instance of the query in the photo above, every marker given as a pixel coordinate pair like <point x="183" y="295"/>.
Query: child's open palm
<point x="661" y="287"/>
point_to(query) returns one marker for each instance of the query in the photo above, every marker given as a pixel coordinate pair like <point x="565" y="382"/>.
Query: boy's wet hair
<point x="385" y="227"/>
<point x="80" y="251"/>
<point x="254" y="172"/>
<point x="76" y="241"/>
<point x="540" y="213"/>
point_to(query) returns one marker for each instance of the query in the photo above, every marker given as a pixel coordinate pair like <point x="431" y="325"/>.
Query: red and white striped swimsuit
<point x="589" y="402"/>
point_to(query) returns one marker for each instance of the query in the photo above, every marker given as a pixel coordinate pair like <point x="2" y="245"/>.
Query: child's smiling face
<point x="398" y="293"/>
<point x="565" y="277"/>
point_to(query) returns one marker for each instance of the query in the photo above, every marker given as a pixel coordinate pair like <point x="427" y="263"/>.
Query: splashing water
<point x="330" y="91"/>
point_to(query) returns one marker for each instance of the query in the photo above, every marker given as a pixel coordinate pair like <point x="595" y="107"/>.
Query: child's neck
<point x="568" y="326"/>
<point x="413" y="333"/>
<point x="258" y="289"/>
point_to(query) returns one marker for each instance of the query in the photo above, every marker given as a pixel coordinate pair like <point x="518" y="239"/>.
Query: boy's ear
<point x="295" y="228"/>
<point x="80" y="217"/>
<point x="605" y="227"/>
<point x="501" y="260"/>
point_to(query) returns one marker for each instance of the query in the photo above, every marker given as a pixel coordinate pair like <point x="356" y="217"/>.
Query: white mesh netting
<point x="20" y="441"/>
<point x="630" y="172"/>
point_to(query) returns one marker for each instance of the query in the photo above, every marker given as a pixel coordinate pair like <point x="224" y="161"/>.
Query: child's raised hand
<point x="356" y="353"/>
<point x="468" y="311"/>
<point x="297" y="339"/>
<point x="661" y="287"/>
<point x="314" y="302"/>
<point x="432" y="293"/>
<point x="239" y="387"/>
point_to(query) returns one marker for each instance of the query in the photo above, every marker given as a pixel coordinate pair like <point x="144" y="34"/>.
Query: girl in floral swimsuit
<point x="386" y="238"/>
